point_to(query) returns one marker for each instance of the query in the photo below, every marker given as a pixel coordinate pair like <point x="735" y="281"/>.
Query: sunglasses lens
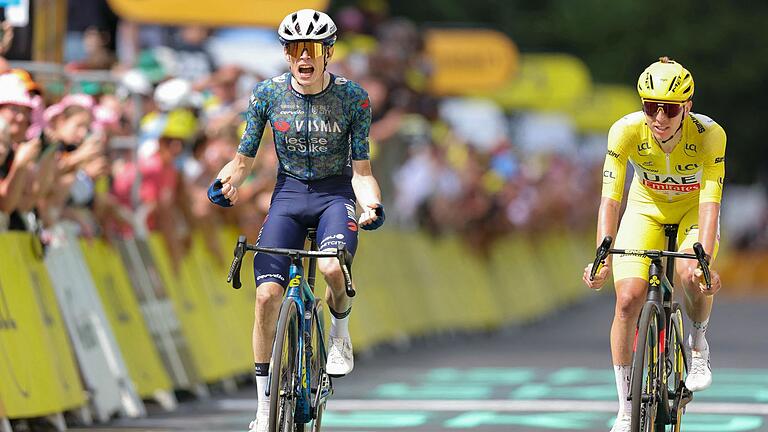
<point x="673" y="109"/>
<point x="670" y="109"/>
<point x="296" y="49"/>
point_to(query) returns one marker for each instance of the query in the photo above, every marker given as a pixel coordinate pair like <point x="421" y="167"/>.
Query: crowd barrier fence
<point x="161" y="328"/>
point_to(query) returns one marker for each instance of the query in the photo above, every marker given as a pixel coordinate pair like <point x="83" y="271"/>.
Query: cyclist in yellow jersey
<point x="679" y="163"/>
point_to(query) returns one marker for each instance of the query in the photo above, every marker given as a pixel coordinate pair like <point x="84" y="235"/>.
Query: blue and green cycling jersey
<point x="316" y="136"/>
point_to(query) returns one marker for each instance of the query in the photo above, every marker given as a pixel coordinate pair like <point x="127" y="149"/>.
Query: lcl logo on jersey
<point x="608" y="177"/>
<point x="683" y="168"/>
<point x="644" y="148"/>
<point x="690" y="149"/>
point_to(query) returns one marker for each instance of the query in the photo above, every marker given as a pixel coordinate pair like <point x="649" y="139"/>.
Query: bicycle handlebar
<point x="605" y="249"/>
<point x="342" y="254"/>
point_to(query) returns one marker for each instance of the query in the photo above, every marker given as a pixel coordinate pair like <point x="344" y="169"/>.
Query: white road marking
<point x="498" y="405"/>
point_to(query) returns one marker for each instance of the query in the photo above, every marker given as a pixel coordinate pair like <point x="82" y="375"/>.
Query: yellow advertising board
<point x="545" y="82"/>
<point x="469" y="60"/>
<point x="38" y="372"/>
<point x="603" y="106"/>
<point x="212" y="13"/>
<point x="123" y="312"/>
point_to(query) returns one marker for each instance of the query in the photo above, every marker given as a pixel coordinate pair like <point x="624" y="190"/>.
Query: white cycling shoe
<point x="700" y="375"/>
<point x="623" y="423"/>
<point x="260" y="423"/>
<point x="340" y="360"/>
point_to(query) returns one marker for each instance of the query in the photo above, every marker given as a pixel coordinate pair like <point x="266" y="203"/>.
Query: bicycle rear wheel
<point x="677" y="368"/>
<point x="320" y="381"/>
<point x="645" y="370"/>
<point x="282" y="397"/>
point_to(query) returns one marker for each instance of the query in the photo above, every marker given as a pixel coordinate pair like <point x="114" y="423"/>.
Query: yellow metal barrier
<point x="210" y="349"/>
<point x="38" y="375"/>
<point x="122" y="309"/>
<point x="232" y="325"/>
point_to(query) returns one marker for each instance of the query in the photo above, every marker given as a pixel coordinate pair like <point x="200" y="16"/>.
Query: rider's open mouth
<point x="306" y="70"/>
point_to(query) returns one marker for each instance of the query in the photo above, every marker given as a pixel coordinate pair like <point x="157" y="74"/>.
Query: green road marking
<point x="497" y="376"/>
<point x="569" y="421"/>
<point x="570" y="376"/>
<point x="720" y="423"/>
<point x="431" y="391"/>
<point x="742" y="375"/>
<point x="376" y="419"/>
<point x="558" y="420"/>
<point x="742" y="392"/>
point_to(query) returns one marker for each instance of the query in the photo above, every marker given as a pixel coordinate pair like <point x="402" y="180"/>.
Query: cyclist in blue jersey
<point x="320" y="124"/>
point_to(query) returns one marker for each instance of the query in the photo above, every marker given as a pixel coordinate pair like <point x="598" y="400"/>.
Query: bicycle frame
<point x="660" y="298"/>
<point x="300" y="292"/>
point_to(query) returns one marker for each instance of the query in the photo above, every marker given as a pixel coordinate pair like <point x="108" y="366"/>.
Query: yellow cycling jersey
<point x="693" y="170"/>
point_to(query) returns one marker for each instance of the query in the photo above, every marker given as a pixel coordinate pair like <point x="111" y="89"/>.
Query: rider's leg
<point x="637" y="230"/>
<point x="280" y="229"/>
<point x="337" y="227"/>
<point x="268" y="298"/>
<point x="698" y="306"/>
<point x="630" y="296"/>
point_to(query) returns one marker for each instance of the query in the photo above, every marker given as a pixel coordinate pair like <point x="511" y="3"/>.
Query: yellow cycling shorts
<point x="642" y="227"/>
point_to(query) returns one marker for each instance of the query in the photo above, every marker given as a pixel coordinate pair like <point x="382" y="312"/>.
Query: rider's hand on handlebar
<point x="372" y="217"/>
<point x="697" y="277"/>
<point x="222" y="193"/>
<point x="600" y="277"/>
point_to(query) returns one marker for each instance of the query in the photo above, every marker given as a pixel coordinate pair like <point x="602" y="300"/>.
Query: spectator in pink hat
<point x="81" y="156"/>
<point x="19" y="156"/>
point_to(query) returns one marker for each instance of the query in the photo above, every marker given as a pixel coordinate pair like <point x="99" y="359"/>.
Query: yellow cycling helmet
<point x="665" y="80"/>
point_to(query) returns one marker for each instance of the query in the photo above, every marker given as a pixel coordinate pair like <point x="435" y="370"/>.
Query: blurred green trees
<point x="724" y="45"/>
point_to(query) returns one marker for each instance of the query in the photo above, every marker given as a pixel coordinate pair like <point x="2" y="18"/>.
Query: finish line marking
<point x="498" y="405"/>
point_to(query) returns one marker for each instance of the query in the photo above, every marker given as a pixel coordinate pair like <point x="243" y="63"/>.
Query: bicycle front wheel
<point x="320" y="381"/>
<point x="282" y="397"/>
<point x="677" y="368"/>
<point x="644" y="388"/>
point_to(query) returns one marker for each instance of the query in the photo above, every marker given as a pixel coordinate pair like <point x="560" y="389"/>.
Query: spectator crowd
<point x="137" y="151"/>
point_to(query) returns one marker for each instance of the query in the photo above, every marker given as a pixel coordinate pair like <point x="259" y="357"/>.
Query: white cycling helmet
<point x="307" y="25"/>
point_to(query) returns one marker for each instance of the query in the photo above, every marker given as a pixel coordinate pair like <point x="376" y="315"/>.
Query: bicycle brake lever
<point x="600" y="255"/>
<point x="345" y="260"/>
<point x="701" y="256"/>
<point x="234" y="270"/>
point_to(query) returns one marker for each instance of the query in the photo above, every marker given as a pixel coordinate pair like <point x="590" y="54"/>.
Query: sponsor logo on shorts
<point x="332" y="237"/>
<point x="350" y="211"/>
<point x="270" y="275"/>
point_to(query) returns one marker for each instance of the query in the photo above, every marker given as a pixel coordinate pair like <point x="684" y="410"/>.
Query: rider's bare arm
<point x="364" y="184"/>
<point x="237" y="169"/>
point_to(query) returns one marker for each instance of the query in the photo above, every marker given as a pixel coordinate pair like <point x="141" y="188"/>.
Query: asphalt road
<point x="552" y="375"/>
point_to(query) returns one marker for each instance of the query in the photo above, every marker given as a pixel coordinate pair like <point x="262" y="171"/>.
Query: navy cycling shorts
<point x="327" y="204"/>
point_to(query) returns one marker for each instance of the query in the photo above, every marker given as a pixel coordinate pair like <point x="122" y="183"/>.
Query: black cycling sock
<point x="341" y="315"/>
<point x="262" y="369"/>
